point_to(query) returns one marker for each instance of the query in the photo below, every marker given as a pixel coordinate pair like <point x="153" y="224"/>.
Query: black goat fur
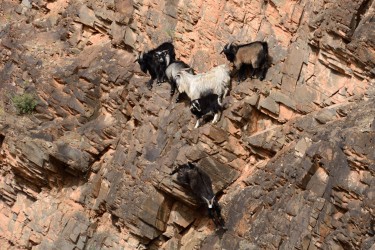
<point x="153" y="62"/>
<point x="205" y="107"/>
<point x="199" y="182"/>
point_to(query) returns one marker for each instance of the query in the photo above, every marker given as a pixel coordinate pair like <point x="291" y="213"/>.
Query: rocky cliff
<point x="292" y="158"/>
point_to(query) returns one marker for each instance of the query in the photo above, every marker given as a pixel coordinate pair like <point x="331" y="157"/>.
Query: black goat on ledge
<point x="200" y="183"/>
<point x="154" y="62"/>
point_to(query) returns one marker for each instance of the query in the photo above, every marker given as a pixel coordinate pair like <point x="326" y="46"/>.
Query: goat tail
<point x="266" y="57"/>
<point x="265" y="47"/>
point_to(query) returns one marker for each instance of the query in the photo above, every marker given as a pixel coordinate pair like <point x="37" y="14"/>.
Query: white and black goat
<point x="153" y="62"/>
<point x="215" y="81"/>
<point x="206" y="106"/>
<point x="200" y="184"/>
<point x="172" y="70"/>
<point x="254" y="55"/>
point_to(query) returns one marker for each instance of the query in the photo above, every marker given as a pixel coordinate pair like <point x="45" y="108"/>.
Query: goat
<point x="153" y="62"/>
<point x="205" y="106"/>
<point x="200" y="183"/>
<point x="254" y="54"/>
<point x="172" y="70"/>
<point x="216" y="81"/>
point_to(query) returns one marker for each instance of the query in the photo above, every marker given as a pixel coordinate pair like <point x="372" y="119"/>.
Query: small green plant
<point x="25" y="103"/>
<point x="170" y="33"/>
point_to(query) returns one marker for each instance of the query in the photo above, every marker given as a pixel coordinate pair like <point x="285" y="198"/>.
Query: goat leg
<point x="173" y="89"/>
<point x="149" y="84"/>
<point x="178" y="97"/>
<point x="263" y="72"/>
<point x="252" y="72"/>
<point x="239" y="77"/>
<point x="216" y="216"/>
<point x="242" y="73"/>
<point x="197" y="123"/>
<point x="220" y="101"/>
<point x="216" y="118"/>
<point x="164" y="78"/>
<point x="226" y="90"/>
<point x="159" y="81"/>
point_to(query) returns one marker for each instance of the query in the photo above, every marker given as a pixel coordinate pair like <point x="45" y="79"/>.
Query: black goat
<point x="153" y="62"/>
<point x="254" y="54"/>
<point x="200" y="183"/>
<point x="204" y="107"/>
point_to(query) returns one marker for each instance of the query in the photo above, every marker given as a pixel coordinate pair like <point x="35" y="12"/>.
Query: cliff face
<point x="292" y="158"/>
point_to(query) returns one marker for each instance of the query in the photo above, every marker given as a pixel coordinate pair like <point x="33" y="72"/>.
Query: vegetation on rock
<point x="24" y="103"/>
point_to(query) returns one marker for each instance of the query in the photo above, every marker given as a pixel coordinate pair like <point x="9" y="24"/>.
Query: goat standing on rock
<point x="254" y="54"/>
<point x="200" y="183"/>
<point x="216" y="81"/>
<point x="206" y="106"/>
<point x="153" y="62"/>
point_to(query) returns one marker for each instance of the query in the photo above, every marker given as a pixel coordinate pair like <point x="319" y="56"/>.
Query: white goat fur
<point x="216" y="81"/>
<point x="174" y="68"/>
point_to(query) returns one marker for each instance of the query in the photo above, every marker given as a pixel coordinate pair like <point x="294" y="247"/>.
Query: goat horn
<point x="208" y="202"/>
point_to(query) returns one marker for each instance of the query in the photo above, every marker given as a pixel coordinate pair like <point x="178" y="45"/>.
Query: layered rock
<point x="291" y="158"/>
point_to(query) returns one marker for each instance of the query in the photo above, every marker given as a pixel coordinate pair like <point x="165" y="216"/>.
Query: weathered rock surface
<point x="292" y="158"/>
